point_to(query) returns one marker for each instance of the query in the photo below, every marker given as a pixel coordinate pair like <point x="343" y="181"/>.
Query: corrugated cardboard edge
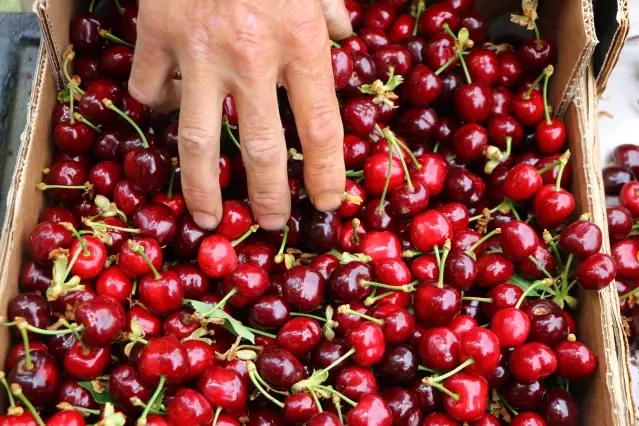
<point x="573" y="57"/>
<point x="619" y="39"/>
<point x="615" y="362"/>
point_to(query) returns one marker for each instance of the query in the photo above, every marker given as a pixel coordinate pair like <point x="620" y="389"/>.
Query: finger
<point x="264" y="152"/>
<point x="311" y="91"/>
<point x="199" y="146"/>
<point x="151" y="81"/>
<point x="337" y="19"/>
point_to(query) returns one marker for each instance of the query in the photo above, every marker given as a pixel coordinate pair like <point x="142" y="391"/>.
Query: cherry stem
<point x="509" y="144"/>
<point x="91" y="6"/>
<point x="443" y="389"/>
<point x="22" y="323"/>
<point x="119" y="7"/>
<point x="260" y="332"/>
<point x="43" y="186"/>
<point x="388" y="176"/>
<point x="450" y="32"/>
<point x="247" y="234"/>
<point x="514" y="210"/>
<point x="533" y="85"/>
<point x="169" y="191"/>
<point x="438" y="258"/>
<point x="302" y="314"/>
<point x="82" y="410"/>
<point x="478" y="299"/>
<point x="341" y="395"/>
<point x="71" y="100"/>
<point x="429" y="370"/>
<point x="16" y="390"/>
<point x="354" y="173"/>
<point x="136" y="248"/>
<point x="534" y="286"/>
<point x="142" y="420"/>
<point x="355" y="238"/>
<point x="393" y="143"/>
<point x="221" y="303"/>
<point x="218" y="410"/>
<point x="338" y="361"/>
<point x="279" y="256"/>
<point x="630" y="293"/>
<point x="82" y="119"/>
<point x="560" y="173"/>
<point x="408" y="151"/>
<point x="446" y="65"/>
<point x="459" y="368"/>
<point x="536" y="30"/>
<point x="115" y="39"/>
<point x="27" y="351"/>
<point x="65" y="323"/>
<point x="540" y="266"/>
<point x="346" y="309"/>
<point x="252" y="372"/>
<point x="493" y="210"/>
<point x="471" y="250"/>
<point x="4" y="382"/>
<point x="421" y="6"/>
<point x="547" y="73"/>
<point x="109" y="104"/>
<point x="335" y="44"/>
<point x="405" y="288"/>
<point x="99" y="225"/>
<point x="372" y="299"/>
<point x="564" y="273"/>
<point x="229" y="132"/>
<point x="338" y="407"/>
<point x="315" y="399"/>
<point x="440" y="280"/>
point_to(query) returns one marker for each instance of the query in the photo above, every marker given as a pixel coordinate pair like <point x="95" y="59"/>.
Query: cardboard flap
<point x="612" y="23"/>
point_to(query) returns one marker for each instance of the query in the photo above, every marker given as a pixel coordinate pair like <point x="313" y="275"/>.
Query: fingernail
<point x="205" y="220"/>
<point x="327" y="201"/>
<point x="272" y="222"/>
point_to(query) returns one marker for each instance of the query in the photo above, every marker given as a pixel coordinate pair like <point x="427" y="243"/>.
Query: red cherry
<point x="436" y="306"/>
<point x="236" y="219"/>
<point x="596" y="272"/>
<point x="216" y="256"/>
<point x="473" y="102"/>
<point x="527" y="419"/>
<point x="380" y="245"/>
<point x="342" y="67"/>
<point x="91" y="258"/>
<point x="103" y="321"/>
<point x="223" y="388"/>
<point x="528" y="108"/>
<point x="532" y="361"/>
<point x="482" y="346"/>
<point x="64" y="418"/>
<point x="629" y="197"/>
<point x="371" y="409"/>
<point x="550" y="137"/>
<point x="522" y="182"/>
<point x="360" y="116"/>
<point x="46" y="237"/>
<point x="511" y="326"/>
<point x="518" y="240"/>
<point x="483" y="66"/>
<point x="376" y="170"/>
<point x="189" y="407"/>
<point x="575" y="361"/>
<point x="163" y="356"/>
<point x="472" y="391"/>
<point x="201" y="356"/>
<point x="430" y="229"/>
<point x="133" y="263"/>
<point x="439" y="349"/>
<point x="552" y="207"/>
<point x="299" y="335"/>
<point x="432" y="21"/>
<point x="86" y="363"/>
<point x="367" y="339"/>
<point x="469" y="142"/>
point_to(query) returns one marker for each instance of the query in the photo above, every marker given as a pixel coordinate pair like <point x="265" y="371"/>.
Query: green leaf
<point x="523" y="283"/>
<point x="230" y="323"/>
<point x="99" y="397"/>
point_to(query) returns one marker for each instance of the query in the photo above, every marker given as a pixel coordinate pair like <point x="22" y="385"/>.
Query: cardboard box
<point x="604" y="399"/>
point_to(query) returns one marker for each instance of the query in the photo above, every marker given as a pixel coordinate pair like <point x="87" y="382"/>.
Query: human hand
<point x="244" y="48"/>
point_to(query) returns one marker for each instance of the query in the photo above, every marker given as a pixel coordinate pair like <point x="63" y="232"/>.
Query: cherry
<point x="629" y="197"/>
<point x="91" y="105"/>
<point x="370" y="410"/>
<point x="626" y="155"/>
<point x="552" y="207"/>
<point x="532" y="362"/>
<point x="299" y="335"/>
<point x="131" y="260"/>
<point x="399" y="365"/>
<point x="156" y="221"/>
<point x="116" y="61"/>
<point x="17" y="352"/>
<point x="180" y="324"/>
<point x="72" y="393"/>
<point x="150" y="324"/>
<point x="536" y="54"/>
<point x="439" y="349"/>
<point x="511" y="326"/>
<point x="373" y="39"/>
<point x="471" y="393"/>
<point x="104" y="176"/>
<point x="103" y="320"/>
<point x="360" y="115"/>
<point x="324" y="418"/>
<point x="30" y="307"/>
<point x="299" y="408"/>
<point x="464" y="187"/>
<point x="560" y="408"/>
<point x="619" y="222"/>
<point x="542" y="257"/>
<point x="500" y="126"/>
<point x="518" y="240"/>
<point x="345" y="282"/>
<point x="403" y="404"/>
<point x="304" y="288"/>
<point x="201" y="356"/>
<point x="626" y="261"/>
<point x="402" y="30"/>
<point x="548" y="324"/>
<point x="524" y="395"/>
<point x="550" y="136"/>
<point x="615" y="177"/>
<point x="147" y="169"/>
<point x="493" y="269"/>
<point x="216" y="256"/>
<point x="66" y="418"/>
<point x="65" y="181"/>
<point x="522" y="182"/>
<point x="498" y="377"/>
<point x="38" y="381"/>
<point x="246" y="283"/>
<point x="528" y="108"/>
<point x="356" y="151"/>
<point x="279" y="367"/>
<point x="430" y="229"/>
<point x="596" y="272"/>
<point x="436" y="306"/>
<point x="189" y="407"/>
<point x="439" y="419"/>
<point x="397" y="323"/>
<point x="432" y="21"/>
<point x="483" y="66"/>
<point x="269" y="311"/>
<point x="127" y="197"/>
<point x="163" y="357"/>
<point x="188" y="237"/>
<point x="84" y="32"/>
<point x="581" y="238"/>
<point x="73" y="137"/>
<point x="379" y="16"/>
<point x="527" y="419"/>
<point x="479" y="348"/>
<point x="321" y="230"/>
<point x="265" y="416"/>
<point x="161" y="292"/>
<point x="90" y="254"/>
<point x="469" y="142"/>
<point x="575" y="361"/>
<point x="223" y="388"/>
<point x="472" y="102"/>
<point x="367" y="340"/>
<point x="34" y="277"/>
<point x="86" y="363"/>
<point x="460" y="270"/>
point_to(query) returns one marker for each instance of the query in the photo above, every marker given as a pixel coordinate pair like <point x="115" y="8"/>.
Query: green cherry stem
<point x="169" y="191"/>
<point x="388" y="176"/>
<point x="4" y="382"/>
<point x="302" y="314"/>
<point x="252" y="372"/>
<point x="109" y="104"/>
<point x="335" y="44"/>
<point x="459" y="368"/>
<point x="316" y="399"/>
<point x="16" y="390"/>
<point x="341" y="395"/>
<point x="82" y="119"/>
<point x="547" y="73"/>
<point x="25" y="341"/>
<point x="102" y="225"/>
<point x="136" y="248"/>
<point x="540" y="266"/>
<point x="407" y="288"/>
<point x="119" y="7"/>
<point x="630" y="293"/>
<point x="421" y="6"/>
<point x="442" y="388"/>
<point x="279" y="257"/>
<point x="247" y="234"/>
<point x="428" y="370"/>
<point x="338" y="361"/>
<point x="260" y="332"/>
<point x="537" y="284"/>
<point x="221" y="303"/>
<point x="218" y="410"/>
<point x="440" y="280"/>
<point x="113" y="38"/>
<point x="229" y="132"/>
<point x="533" y="85"/>
<point x="346" y="309"/>
<point x="142" y="420"/>
<point x="471" y="251"/>
<point x="478" y="299"/>
<point x="354" y="173"/>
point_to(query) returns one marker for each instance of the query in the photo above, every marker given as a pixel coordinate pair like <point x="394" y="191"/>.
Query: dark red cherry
<point x="627" y="155"/>
<point x="321" y="230"/>
<point x="46" y="237"/>
<point x="279" y="367"/>
<point x="116" y="62"/>
<point x="248" y="282"/>
<point x="532" y="361"/>
<point x="575" y="361"/>
<point x="156" y="221"/>
<point x="269" y="311"/>
<point x="71" y="392"/>
<point x="224" y="388"/>
<point x="147" y="169"/>
<point x="379" y="16"/>
<point x="360" y="116"/>
<point x="615" y="177"/>
<point x="342" y="67"/>
<point x="416" y="123"/>
<point x="439" y="349"/>
<point x="402" y="29"/>
<point x="373" y="39"/>
<point x="560" y="408"/>
<point x="524" y="396"/>
<point x="345" y="282"/>
<point x="469" y="142"/>
<point x="432" y="21"/>
<point x="66" y="173"/>
<point x="303" y="288"/>
<point x="493" y="269"/>
<point x="483" y="66"/>
<point x="91" y="105"/>
<point x="127" y="197"/>
<point x="367" y="339"/>
<point x="39" y="382"/>
<point x="188" y="237"/>
<point x="518" y="240"/>
<point x="103" y="320"/>
<point x="432" y="172"/>
<point x="201" y="356"/>
<point x="163" y="356"/>
<point x="596" y="272"/>
<point x="619" y="222"/>
<point x="75" y="138"/>
<point x="149" y="323"/>
<point x="86" y="363"/>
<point x="472" y="102"/>
<point x="399" y="365"/>
<point x="581" y="238"/>
<point x="34" y="277"/>
<point x="472" y="391"/>
<point x="436" y="306"/>
<point x="536" y="54"/>
<point x="84" y="32"/>
<point x="371" y="409"/>
<point x="299" y="408"/>
<point x="477" y="25"/>
<point x="189" y="407"/>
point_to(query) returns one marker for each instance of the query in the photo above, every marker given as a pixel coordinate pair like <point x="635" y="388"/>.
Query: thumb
<point x="337" y="20"/>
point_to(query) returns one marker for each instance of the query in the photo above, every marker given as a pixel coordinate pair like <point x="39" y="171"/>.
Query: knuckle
<point x="325" y="128"/>
<point x="151" y="98"/>
<point x="268" y="201"/>
<point x="306" y="29"/>
<point x="195" y="140"/>
<point x="262" y="149"/>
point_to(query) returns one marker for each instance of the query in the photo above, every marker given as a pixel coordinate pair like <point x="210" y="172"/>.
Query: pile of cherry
<point x="622" y="190"/>
<point x="439" y="293"/>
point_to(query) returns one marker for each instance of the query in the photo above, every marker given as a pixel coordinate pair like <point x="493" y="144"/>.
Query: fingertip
<point x="272" y="222"/>
<point x="327" y="200"/>
<point x="206" y="221"/>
